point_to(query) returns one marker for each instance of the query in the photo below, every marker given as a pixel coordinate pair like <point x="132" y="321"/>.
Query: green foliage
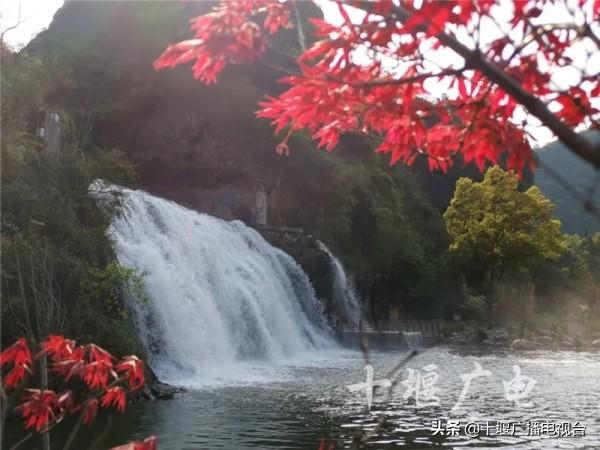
<point x="592" y="245"/>
<point x="496" y="228"/>
<point x="376" y="218"/>
<point x="55" y="249"/>
<point x="108" y="285"/>
<point x="45" y="203"/>
<point x="575" y="275"/>
<point x="186" y="138"/>
<point x="473" y="307"/>
<point x="383" y="222"/>
<point x="103" y="291"/>
<point x="20" y="73"/>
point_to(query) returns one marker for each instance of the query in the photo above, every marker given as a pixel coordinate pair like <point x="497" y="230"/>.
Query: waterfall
<point x="414" y="339"/>
<point x="345" y="296"/>
<point x="219" y="294"/>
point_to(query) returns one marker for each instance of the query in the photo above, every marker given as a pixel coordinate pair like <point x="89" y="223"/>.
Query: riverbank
<point x="518" y="337"/>
<point x="522" y="338"/>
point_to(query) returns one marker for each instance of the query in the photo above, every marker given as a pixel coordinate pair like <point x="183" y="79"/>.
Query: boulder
<point x="156" y="389"/>
<point x="478" y="337"/>
<point x="498" y="334"/>
<point x="164" y="391"/>
<point x="524" y="344"/>
<point x="543" y="339"/>
<point x="567" y="345"/>
<point x="305" y="250"/>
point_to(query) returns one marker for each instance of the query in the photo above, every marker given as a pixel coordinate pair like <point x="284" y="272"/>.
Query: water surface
<point x="293" y="406"/>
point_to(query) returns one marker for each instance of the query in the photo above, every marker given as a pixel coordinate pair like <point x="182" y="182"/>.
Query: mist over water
<point x="224" y="305"/>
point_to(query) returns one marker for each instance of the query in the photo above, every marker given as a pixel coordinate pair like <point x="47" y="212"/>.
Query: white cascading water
<point x="345" y="296"/>
<point x="414" y="339"/>
<point x="219" y="294"/>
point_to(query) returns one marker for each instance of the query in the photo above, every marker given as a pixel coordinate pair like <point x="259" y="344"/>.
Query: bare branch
<point x="12" y="27"/>
<point x="588" y="32"/>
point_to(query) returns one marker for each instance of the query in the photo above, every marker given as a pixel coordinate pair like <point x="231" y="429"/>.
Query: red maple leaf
<point x="96" y="373"/>
<point x="336" y="93"/>
<point x="575" y="106"/>
<point x="114" y="396"/>
<point x="90" y="408"/>
<point x="18" y="353"/>
<point x="133" y="368"/>
<point x="15" y="375"/>
<point x="38" y="408"/>
<point x="99" y="354"/>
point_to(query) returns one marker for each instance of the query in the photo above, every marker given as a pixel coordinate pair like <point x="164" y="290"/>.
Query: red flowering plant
<point x="504" y="66"/>
<point x="89" y="377"/>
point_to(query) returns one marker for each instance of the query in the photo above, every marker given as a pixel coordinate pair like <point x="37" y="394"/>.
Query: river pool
<point x="295" y="405"/>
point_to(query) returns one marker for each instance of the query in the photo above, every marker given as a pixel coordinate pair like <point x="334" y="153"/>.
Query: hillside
<point x="580" y="175"/>
<point x="203" y="147"/>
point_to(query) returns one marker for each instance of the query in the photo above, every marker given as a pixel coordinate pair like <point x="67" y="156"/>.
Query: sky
<point x="34" y="16"/>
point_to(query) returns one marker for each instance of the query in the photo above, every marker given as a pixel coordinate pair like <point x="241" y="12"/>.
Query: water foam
<point x="223" y="303"/>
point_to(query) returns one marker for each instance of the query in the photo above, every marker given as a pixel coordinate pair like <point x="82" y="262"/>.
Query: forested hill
<point x="580" y="176"/>
<point x="202" y="146"/>
<point x="178" y="131"/>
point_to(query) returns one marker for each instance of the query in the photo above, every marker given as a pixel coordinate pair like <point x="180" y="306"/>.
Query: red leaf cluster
<point x="132" y="368"/>
<point x="38" y="408"/>
<point x="114" y="396"/>
<point x="227" y="36"/>
<point x="19" y="356"/>
<point x="386" y="95"/>
<point x="106" y="380"/>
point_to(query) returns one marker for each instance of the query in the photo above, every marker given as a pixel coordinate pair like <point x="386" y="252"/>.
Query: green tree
<point x="571" y="275"/>
<point x="496" y="228"/>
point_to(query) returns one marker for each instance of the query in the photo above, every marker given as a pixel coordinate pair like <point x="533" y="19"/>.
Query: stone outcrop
<point x="524" y="344"/>
<point x="155" y="389"/>
<point x="304" y="249"/>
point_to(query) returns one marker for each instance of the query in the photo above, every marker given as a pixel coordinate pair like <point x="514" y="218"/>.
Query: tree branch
<point x="587" y="31"/>
<point x="12" y="27"/>
<point x="578" y="144"/>
<point x="391" y="81"/>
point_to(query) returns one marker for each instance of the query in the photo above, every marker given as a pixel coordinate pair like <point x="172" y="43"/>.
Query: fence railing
<point x="426" y="327"/>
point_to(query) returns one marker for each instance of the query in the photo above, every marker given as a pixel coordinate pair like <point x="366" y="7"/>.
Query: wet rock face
<point x="155" y="389"/>
<point x="304" y="249"/>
